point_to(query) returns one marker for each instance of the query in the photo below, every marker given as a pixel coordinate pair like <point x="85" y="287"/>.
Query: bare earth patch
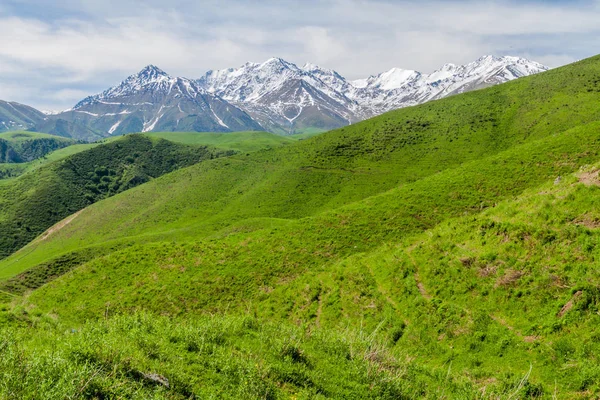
<point x="487" y="271"/>
<point x="420" y="285"/>
<point x="588" y="221"/>
<point x="590" y="178"/>
<point x="569" y="304"/>
<point x="510" y="277"/>
<point x="421" y="288"/>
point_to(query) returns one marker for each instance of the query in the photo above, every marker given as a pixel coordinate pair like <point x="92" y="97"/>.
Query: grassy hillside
<point x="28" y="216"/>
<point x="354" y="228"/>
<point x="343" y="166"/>
<point x="438" y="239"/>
<point x="34" y="202"/>
<point x="238" y="141"/>
<point x="12" y="170"/>
<point x="145" y="356"/>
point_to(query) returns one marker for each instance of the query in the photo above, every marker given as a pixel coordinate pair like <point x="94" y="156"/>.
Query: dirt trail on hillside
<point x="420" y="285"/>
<point x="59" y="226"/>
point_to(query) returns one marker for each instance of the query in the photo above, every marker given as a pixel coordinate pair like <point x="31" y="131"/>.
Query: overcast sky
<point x="52" y="54"/>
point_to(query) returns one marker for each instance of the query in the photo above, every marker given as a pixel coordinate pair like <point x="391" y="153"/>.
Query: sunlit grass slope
<point x="238" y="141"/>
<point x="417" y="330"/>
<point x="35" y="201"/>
<point x="29" y="206"/>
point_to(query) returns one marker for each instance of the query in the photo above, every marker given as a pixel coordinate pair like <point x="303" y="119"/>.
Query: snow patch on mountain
<point x="114" y="127"/>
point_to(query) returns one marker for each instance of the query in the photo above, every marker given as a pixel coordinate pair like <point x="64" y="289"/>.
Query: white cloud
<point x="51" y="54"/>
<point x="320" y="43"/>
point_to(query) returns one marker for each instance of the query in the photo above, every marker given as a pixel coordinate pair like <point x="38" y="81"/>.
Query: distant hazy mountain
<point x="15" y="116"/>
<point x="275" y="96"/>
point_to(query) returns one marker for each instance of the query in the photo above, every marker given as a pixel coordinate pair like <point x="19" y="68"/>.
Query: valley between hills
<point x="444" y="250"/>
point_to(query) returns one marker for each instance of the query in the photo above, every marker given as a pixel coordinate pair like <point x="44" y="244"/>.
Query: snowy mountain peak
<point x="448" y="67"/>
<point x="276" y="62"/>
<point x="150" y="78"/>
<point x="152" y="100"/>
<point x="395" y="78"/>
<point x="151" y="72"/>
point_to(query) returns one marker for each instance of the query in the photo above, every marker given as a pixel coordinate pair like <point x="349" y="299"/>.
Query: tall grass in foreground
<point x="144" y="356"/>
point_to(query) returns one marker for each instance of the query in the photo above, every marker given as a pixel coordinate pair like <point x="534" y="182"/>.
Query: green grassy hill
<point x="350" y="164"/>
<point x="13" y="170"/>
<point x="34" y="202"/>
<point x="24" y="147"/>
<point x="238" y="141"/>
<point x="51" y="191"/>
<point x="437" y="240"/>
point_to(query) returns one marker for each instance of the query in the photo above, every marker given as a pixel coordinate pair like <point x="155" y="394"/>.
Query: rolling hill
<point x="443" y="250"/>
<point x="19" y="150"/>
<point x="21" y="147"/>
<point x="34" y="202"/>
<point x="69" y="179"/>
<point x="238" y="141"/>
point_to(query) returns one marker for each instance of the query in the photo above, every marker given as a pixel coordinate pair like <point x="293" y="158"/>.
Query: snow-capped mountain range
<point x="286" y="98"/>
<point x="275" y="95"/>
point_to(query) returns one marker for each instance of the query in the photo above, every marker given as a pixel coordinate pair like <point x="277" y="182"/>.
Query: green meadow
<point x="236" y="141"/>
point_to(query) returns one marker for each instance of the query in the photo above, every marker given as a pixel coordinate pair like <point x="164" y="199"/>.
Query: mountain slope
<point x="151" y="100"/>
<point x="15" y="116"/>
<point x="401" y="88"/>
<point x="281" y="96"/>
